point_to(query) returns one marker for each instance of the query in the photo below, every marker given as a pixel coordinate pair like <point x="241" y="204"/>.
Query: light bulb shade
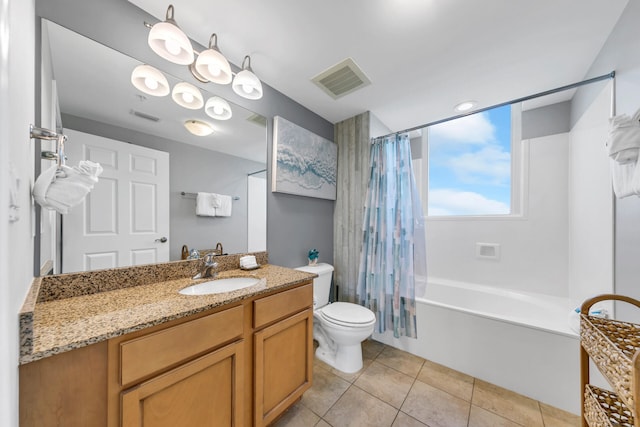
<point x="213" y="65"/>
<point x="247" y="85"/>
<point x="170" y="42"/>
<point x="198" y="127"/>
<point x="217" y="108"/>
<point x="187" y="95"/>
<point x="149" y="80"/>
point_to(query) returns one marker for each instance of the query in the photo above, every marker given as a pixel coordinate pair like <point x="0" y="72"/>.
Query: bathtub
<point x="516" y="340"/>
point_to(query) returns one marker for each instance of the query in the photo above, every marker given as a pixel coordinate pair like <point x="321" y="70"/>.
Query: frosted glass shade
<point x="169" y="42"/>
<point x="149" y="80"/>
<point x="217" y="108"/>
<point x="214" y="66"/>
<point x="247" y="85"/>
<point x="198" y="127"/>
<point x="187" y="95"/>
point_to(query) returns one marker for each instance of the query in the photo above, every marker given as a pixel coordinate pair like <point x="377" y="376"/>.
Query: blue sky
<point x="470" y="164"/>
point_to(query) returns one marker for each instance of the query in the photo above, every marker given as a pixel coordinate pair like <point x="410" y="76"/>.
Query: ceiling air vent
<point x="341" y="79"/>
<point x="258" y="120"/>
<point x="144" y="116"/>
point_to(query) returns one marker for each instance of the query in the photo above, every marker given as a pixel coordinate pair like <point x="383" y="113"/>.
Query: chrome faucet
<point x="219" y="249"/>
<point x="209" y="267"/>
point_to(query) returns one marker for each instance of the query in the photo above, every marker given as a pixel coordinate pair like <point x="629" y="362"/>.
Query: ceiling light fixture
<point x="198" y="127"/>
<point x="212" y="64"/>
<point x="170" y="42"/>
<point x="246" y="84"/>
<point x="149" y="80"/>
<point x="187" y="95"/>
<point x="217" y="108"/>
<point x="465" y="106"/>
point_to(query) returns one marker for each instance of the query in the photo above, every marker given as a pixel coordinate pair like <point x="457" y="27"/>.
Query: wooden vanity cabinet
<point x="238" y="365"/>
<point x="283" y="351"/>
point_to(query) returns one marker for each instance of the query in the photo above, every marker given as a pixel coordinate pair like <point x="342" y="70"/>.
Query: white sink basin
<point x="219" y="286"/>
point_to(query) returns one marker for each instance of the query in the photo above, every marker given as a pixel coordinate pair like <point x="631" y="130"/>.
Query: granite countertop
<point x="49" y="327"/>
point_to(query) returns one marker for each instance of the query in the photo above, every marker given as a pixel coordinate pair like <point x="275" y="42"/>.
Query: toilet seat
<point x="347" y="314"/>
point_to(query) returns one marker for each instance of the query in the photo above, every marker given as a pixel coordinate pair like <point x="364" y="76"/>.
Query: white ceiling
<point x="422" y="56"/>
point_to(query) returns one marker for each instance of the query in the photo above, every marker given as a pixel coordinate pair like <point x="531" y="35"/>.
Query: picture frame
<point x="304" y="164"/>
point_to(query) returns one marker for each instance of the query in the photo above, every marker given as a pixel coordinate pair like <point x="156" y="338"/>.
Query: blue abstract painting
<point x="304" y="163"/>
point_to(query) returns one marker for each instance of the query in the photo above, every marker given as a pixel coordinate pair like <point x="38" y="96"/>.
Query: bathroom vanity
<point x="145" y="352"/>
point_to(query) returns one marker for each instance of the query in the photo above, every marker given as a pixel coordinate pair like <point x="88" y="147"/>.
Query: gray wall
<point x="191" y="169"/>
<point x="544" y="121"/>
<point x="620" y="53"/>
<point x="294" y="224"/>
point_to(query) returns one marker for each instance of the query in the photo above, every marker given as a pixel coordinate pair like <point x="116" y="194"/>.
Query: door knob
<point x="162" y="240"/>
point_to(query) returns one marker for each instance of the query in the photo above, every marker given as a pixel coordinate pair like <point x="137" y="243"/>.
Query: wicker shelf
<point x="614" y="347"/>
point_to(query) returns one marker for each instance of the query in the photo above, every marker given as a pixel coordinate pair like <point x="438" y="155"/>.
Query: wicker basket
<point x="604" y="408"/>
<point x="612" y="344"/>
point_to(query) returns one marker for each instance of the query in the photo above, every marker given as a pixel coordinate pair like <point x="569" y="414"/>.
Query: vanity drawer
<point x="283" y="304"/>
<point x="144" y="356"/>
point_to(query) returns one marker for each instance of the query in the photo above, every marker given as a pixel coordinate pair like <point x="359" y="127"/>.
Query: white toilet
<point x="340" y="327"/>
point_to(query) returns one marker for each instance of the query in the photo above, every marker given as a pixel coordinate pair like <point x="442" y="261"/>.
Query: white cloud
<point x="473" y="129"/>
<point x="489" y="164"/>
<point x="454" y="202"/>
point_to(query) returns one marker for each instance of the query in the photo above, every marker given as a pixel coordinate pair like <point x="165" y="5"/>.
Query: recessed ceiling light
<point x="465" y="106"/>
<point x="198" y="127"/>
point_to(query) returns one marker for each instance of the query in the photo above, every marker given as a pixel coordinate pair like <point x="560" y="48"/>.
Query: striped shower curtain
<point x="393" y="249"/>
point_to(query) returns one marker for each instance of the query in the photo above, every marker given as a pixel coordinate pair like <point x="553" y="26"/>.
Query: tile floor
<point x="398" y="389"/>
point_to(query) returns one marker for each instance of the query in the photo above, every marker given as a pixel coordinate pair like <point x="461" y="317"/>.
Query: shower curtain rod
<point x="611" y="75"/>
<point x="253" y="173"/>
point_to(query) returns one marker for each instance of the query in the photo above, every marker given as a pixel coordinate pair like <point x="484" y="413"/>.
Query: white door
<point x="124" y="220"/>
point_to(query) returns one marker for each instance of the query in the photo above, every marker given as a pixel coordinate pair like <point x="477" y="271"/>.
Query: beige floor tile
<point x="325" y="391"/>
<point x="482" y="418"/>
<point x="404" y="420"/>
<point x="554" y="417"/>
<point x="297" y="416"/>
<point x="435" y="407"/>
<point x="371" y="348"/>
<point x="385" y="383"/>
<point x="322" y="423"/>
<point x="453" y="382"/>
<point x="507" y="404"/>
<point x="400" y="360"/>
<point x="357" y="408"/>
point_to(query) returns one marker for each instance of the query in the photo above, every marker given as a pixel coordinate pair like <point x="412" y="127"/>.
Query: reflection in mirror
<point x="129" y="219"/>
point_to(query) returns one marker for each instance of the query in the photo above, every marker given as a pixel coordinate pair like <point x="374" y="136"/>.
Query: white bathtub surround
<point x="516" y="340"/>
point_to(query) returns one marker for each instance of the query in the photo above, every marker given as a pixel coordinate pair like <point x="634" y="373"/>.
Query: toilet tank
<point x="321" y="284"/>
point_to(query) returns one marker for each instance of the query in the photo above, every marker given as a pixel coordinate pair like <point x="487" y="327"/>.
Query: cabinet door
<point x="205" y="392"/>
<point x="283" y="365"/>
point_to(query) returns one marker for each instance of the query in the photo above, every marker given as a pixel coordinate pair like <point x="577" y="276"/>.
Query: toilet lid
<point x="348" y="313"/>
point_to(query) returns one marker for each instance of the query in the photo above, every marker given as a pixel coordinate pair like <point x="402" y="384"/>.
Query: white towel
<point x="225" y="205"/>
<point x="205" y="204"/>
<point x="623" y="142"/>
<point x="62" y="188"/>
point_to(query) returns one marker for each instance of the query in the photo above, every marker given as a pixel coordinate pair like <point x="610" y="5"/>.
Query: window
<point x="470" y="165"/>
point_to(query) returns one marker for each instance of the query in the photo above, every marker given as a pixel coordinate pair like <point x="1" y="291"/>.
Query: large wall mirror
<point x="87" y="91"/>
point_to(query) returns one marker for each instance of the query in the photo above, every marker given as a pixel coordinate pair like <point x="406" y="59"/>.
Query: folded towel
<point x="625" y="178"/>
<point x="623" y="142"/>
<point x="205" y="204"/>
<point x="225" y="205"/>
<point x="61" y="188"/>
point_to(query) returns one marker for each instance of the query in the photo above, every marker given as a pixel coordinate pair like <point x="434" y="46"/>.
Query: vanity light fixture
<point x="246" y="84"/>
<point x="212" y="64"/>
<point x="198" y="127"/>
<point x="149" y="80"/>
<point x="465" y="106"/>
<point x="217" y="108"/>
<point x="187" y="95"/>
<point x="170" y="42"/>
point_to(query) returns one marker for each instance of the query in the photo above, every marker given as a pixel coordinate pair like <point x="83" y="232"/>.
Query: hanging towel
<point x="205" y="204"/>
<point x="225" y="205"/>
<point x="61" y="188"/>
<point x="623" y="142"/>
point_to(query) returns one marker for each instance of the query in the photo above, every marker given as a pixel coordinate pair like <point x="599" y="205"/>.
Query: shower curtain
<point x="393" y="249"/>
